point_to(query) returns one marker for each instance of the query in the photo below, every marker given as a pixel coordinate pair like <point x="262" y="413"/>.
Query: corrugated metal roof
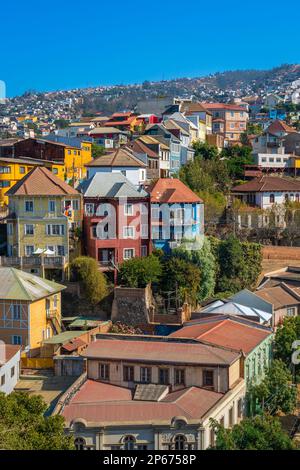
<point x="110" y="185"/>
<point x="20" y="285"/>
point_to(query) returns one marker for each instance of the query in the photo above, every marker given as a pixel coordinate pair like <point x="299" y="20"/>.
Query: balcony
<point x="50" y="314"/>
<point x="49" y="262"/>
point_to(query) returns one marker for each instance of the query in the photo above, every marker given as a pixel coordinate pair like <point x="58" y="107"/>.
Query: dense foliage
<point x="276" y="392"/>
<point x="23" y="425"/>
<point x="97" y="150"/>
<point x="183" y="277"/>
<point x="287" y="332"/>
<point x="262" y="432"/>
<point x="138" y="272"/>
<point x="85" y="269"/>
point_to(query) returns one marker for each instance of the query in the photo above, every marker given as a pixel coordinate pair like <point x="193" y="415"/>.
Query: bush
<point x="85" y="269"/>
<point x="138" y="272"/>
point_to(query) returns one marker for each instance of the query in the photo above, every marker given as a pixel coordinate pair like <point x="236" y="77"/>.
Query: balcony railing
<point x="51" y="313"/>
<point x="34" y="261"/>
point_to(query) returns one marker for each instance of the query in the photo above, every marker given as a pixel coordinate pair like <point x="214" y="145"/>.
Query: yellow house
<point x="14" y="169"/>
<point x="44" y="224"/>
<point x="75" y="161"/>
<point x="30" y="309"/>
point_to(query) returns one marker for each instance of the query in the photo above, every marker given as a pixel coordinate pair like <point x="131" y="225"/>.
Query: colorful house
<point x="14" y="169"/>
<point x="43" y="224"/>
<point x="9" y="367"/>
<point x="177" y="214"/>
<point x="30" y="309"/>
<point x="116" y="219"/>
<point x="74" y="157"/>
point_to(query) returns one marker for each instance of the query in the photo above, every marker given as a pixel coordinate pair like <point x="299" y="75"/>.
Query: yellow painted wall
<point x="39" y="322"/>
<point x="75" y="161"/>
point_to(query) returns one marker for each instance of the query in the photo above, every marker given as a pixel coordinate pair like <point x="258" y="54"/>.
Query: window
<point x="230" y="417"/>
<point x="75" y="204"/>
<point x="79" y="443"/>
<point x="143" y="175"/>
<point x="128" y="232"/>
<point x="155" y="213"/>
<point x="272" y="198"/>
<point x="60" y="250"/>
<point x="180" y="441"/>
<point x="28" y="206"/>
<point x="55" y="229"/>
<point x="16" y="339"/>
<point x="128" y="209"/>
<point x="29" y="249"/>
<point x="28" y="229"/>
<point x="240" y="408"/>
<point x="291" y="311"/>
<point x="9" y="229"/>
<point x="145" y="375"/>
<point x="208" y="378"/>
<point x="104" y="371"/>
<point x="16" y="309"/>
<point x="51" y="206"/>
<point x="128" y="373"/>
<point x="164" y="376"/>
<point x="179" y="377"/>
<point x="129" y="442"/>
<point x="22" y="170"/>
<point x="2" y="380"/>
<point x="144" y="250"/>
<point x="89" y="209"/>
<point x="212" y="437"/>
<point x="55" y="301"/>
<point x="5" y="169"/>
<point x="12" y="372"/>
<point x="4" y="184"/>
<point x="128" y="253"/>
<point x="55" y="171"/>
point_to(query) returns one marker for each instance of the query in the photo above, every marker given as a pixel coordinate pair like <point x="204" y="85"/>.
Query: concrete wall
<point x="7" y="371"/>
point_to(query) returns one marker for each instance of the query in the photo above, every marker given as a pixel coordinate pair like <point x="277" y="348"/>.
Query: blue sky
<point x="66" y="44"/>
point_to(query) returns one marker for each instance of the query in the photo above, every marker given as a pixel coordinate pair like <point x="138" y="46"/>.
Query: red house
<point x="116" y="219"/>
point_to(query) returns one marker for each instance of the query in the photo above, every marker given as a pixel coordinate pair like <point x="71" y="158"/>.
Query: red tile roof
<point x="158" y="351"/>
<point x="41" y="182"/>
<point x="279" y="126"/>
<point x="227" y="333"/>
<point x="268" y="183"/>
<point x="171" y="190"/>
<point x="102" y="403"/>
<point x="228" y="107"/>
<point x="74" y="344"/>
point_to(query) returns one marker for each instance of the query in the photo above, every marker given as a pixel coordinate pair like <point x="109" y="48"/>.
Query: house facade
<point x="177" y="214"/>
<point x="229" y="120"/>
<point x="30" y="309"/>
<point x="10" y="357"/>
<point x="45" y="215"/>
<point x="116" y="219"/>
<point x="153" y="393"/>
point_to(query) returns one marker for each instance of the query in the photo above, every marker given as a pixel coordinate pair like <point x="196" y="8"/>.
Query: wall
<point x="10" y="382"/>
<point x="131" y="305"/>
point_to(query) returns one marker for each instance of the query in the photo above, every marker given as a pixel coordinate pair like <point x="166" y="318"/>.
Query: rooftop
<point x="110" y="185"/>
<point x="268" y="183"/>
<point x="158" y="351"/>
<point x="171" y="190"/>
<point x="122" y="157"/>
<point x="20" y="285"/>
<point x="41" y="182"/>
<point x="7" y="352"/>
<point x="280" y="296"/>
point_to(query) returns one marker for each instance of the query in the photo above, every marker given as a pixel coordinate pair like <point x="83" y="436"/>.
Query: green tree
<point x="276" y="392"/>
<point x="23" y="425"/>
<point x="138" y="272"/>
<point x="286" y="333"/>
<point x="97" y="150"/>
<point x="205" y="151"/>
<point x="262" y="432"/>
<point x="85" y="269"/>
<point x="61" y="123"/>
<point x="231" y="262"/>
<point x="236" y="157"/>
<point x="183" y="276"/>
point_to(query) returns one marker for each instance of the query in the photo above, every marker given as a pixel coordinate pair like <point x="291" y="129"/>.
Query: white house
<point x="265" y="191"/>
<point x="10" y="357"/>
<point x="122" y="160"/>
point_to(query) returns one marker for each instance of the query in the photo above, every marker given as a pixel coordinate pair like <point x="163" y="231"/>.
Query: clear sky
<point x="67" y="44"/>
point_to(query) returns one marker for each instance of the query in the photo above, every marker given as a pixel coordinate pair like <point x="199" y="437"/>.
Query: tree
<point x="183" y="276"/>
<point x="261" y="432"/>
<point x="23" y="425"/>
<point x="138" y="272"/>
<point x="236" y="157"/>
<point x="287" y="332"/>
<point x="61" y="123"/>
<point x="276" y="392"/>
<point x="97" y="150"/>
<point x="231" y="262"/>
<point x="205" y="261"/>
<point x="205" y="151"/>
<point x="85" y="269"/>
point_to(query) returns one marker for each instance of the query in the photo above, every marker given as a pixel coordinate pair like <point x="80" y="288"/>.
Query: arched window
<point x="79" y="443"/>
<point x="272" y="198"/>
<point x="180" y="441"/>
<point x="129" y="442"/>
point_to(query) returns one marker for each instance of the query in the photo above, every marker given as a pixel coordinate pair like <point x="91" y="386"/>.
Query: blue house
<point x="177" y="215"/>
<point x="167" y="137"/>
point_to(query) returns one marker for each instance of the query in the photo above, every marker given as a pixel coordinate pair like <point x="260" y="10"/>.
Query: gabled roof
<point x="225" y="332"/>
<point x="110" y="185"/>
<point x="194" y="107"/>
<point x="119" y="158"/>
<point x="279" y="296"/>
<point x="106" y="130"/>
<point x="171" y="190"/>
<point x="41" y="182"/>
<point x="7" y="352"/>
<point x="226" y="106"/>
<point x="279" y="126"/>
<point x="138" y="146"/>
<point x="20" y="285"/>
<point x="221" y="307"/>
<point x="268" y="183"/>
